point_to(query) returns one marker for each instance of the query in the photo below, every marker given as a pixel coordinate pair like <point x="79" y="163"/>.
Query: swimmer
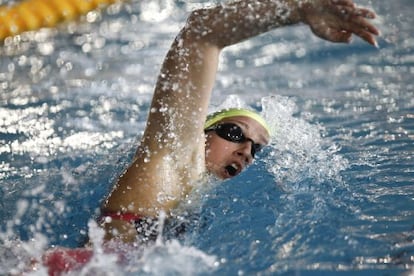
<point x="179" y="146"/>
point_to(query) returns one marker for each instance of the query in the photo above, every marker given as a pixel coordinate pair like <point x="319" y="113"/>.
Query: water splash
<point x="17" y="256"/>
<point x="299" y="150"/>
<point x="163" y="258"/>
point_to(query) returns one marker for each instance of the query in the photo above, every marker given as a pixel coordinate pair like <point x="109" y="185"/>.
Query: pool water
<point x="332" y="194"/>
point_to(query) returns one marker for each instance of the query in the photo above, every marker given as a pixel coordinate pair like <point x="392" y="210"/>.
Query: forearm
<point x="228" y="24"/>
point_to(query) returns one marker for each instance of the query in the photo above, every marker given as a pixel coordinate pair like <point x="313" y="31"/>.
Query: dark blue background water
<point x="334" y="193"/>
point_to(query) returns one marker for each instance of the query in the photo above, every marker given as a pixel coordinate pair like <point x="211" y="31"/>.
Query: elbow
<point x="201" y="26"/>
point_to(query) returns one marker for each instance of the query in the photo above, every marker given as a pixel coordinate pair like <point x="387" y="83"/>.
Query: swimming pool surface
<point x="334" y="193"/>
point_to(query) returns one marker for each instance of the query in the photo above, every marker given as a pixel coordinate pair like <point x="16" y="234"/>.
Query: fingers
<point x="355" y="20"/>
<point x="331" y="33"/>
<point x="368" y="37"/>
<point x="361" y="27"/>
<point x="338" y="20"/>
<point x="344" y="33"/>
<point x="364" y="30"/>
<point x="350" y="11"/>
<point x="335" y="33"/>
<point x="365" y="13"/>
<point x="362" y="23"/>
<point x="347" y="8"/>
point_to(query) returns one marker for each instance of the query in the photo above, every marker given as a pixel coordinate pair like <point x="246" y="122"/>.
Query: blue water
<point x="333" y="193"/>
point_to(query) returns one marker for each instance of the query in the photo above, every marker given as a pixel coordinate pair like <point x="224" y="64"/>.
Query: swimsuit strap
<point x="147" y="228"/>
<point x="129" y="217"/>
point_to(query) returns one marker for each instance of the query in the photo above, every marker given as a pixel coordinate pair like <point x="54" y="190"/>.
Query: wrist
<point x="305" y="8"/>
<point x="297" y="8"/>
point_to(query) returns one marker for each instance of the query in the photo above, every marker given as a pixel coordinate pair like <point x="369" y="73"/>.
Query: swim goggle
<point x="233" y="133"/>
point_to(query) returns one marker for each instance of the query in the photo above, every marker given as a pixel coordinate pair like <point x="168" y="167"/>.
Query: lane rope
<point x="29" y="15"/>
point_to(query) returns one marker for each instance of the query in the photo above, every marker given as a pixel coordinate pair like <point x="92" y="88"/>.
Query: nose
<point x="245" y="150"/>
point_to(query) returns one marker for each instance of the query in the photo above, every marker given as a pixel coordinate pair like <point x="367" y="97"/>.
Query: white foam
<point x="298" y="148"/>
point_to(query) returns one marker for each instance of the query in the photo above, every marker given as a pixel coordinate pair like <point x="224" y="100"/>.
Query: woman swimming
<point x="179" y="146"/>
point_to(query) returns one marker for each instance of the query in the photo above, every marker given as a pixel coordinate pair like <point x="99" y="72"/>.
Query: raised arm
<point x="171" y="154"/>
<point x="187" y="76"/>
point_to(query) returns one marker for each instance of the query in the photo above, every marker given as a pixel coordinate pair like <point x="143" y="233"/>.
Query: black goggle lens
<point x="234" y="133"/>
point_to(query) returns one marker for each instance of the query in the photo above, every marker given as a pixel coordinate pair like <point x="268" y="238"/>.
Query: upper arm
<point x="171" y="152"/>
<point x="179" y="107"/>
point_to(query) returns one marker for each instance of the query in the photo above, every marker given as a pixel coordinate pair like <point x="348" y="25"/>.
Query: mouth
<point x="233" y="169"/>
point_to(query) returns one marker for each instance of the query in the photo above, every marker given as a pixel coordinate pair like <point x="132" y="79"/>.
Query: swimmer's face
<point x="226" y="159"/>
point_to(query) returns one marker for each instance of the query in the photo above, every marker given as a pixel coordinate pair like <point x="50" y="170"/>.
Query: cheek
<point x="216" y="151"/>
<point x="217" y="156"/>
<point x="211" y="154"/>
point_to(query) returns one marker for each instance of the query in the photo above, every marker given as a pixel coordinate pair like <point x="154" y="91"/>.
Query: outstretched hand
<point x="337" y="20"/>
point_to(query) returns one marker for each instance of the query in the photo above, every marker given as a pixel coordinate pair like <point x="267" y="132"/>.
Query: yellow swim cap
<point x="234" y="112"/>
